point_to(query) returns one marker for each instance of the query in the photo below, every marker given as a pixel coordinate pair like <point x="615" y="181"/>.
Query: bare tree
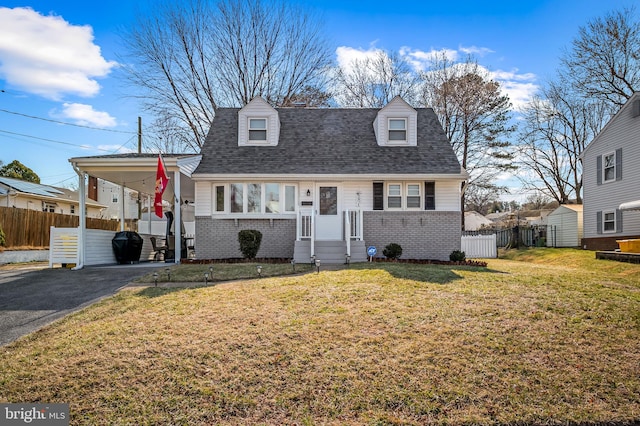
<point x="475" y="116"/>
<point x="557" y="127"/>
<point x="375" y="80"/>
<point x="195" y="56"/>
<point x="604" y="60"/>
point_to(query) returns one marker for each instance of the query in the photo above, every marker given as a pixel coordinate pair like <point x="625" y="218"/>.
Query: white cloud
<point x="474" y="50"/>
<point x="48" y="56"/>
<point x="519" y="87"/>
<point x="86" y="115"/>
<point x="421" y="59"/>
<point x="346" y="56"/>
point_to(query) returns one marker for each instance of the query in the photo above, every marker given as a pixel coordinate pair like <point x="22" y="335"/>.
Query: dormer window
<point x="258" y="129"/>
<point x="258" y="124"/>
<point x="397" y="130"/>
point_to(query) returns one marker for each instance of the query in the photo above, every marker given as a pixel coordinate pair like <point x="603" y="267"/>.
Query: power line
<point x="67" y="124"/>
<point x="63" y="143"/>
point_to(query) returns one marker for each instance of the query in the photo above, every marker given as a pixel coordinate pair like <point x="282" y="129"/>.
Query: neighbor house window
<point x="114" y="198"/>
<point x="413" y="196"/>
<point x="257" y="129"/>
<point x="609" y="221"/>
<point x="397" y="129"/>
<point x="73" y="209"/>
<point x="51" y="208"/>
<point x="609" y="169"/>
<point x="394" y="196"/>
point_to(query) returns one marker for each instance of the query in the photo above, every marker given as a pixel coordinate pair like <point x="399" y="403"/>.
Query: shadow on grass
<point x="427" y="273"/>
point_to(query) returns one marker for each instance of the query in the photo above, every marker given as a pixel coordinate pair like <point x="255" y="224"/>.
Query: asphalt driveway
<point x="32" y="297"/>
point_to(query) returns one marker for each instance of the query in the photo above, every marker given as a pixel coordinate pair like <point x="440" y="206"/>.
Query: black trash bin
<point x="127" y="246"/>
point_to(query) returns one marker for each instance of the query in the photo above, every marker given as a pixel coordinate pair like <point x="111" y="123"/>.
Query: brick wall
<point x="429" y="235"/>
<point x="604" y="243"/>
<point x="218" y="238"/>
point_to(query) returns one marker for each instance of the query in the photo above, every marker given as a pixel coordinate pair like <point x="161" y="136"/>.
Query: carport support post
<point x="177" y="225"/>
<point x="122" y="208"/>
<point x="82" y="215"/>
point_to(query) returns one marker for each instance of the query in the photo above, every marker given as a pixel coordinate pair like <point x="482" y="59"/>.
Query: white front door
<point x="328" y="217"/>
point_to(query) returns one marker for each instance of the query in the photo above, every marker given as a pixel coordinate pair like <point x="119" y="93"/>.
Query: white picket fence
<point x="479" y="246"/>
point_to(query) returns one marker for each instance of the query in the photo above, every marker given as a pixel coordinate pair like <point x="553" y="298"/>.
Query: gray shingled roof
<point x="326" y="141"/>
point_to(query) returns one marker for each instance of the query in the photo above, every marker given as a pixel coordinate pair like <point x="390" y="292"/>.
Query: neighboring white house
<point x="611" y="180"/>
<point x="33" y="196"/>
<point x="474" y="221"/>
<point x="565" y="226"/>
<point x="328" y="182"/>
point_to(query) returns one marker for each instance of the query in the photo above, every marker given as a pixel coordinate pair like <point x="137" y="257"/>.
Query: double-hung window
<point x="394" y="196"/>
<point x="413" y="195"/>
<point x="258" y="129"/>
<point x="609" y="167"/>
<point x="609" y="221"/>
<point x="397" y="130"/>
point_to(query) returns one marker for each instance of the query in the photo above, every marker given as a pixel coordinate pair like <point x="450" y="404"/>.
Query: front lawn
<point x="554" y="339"/>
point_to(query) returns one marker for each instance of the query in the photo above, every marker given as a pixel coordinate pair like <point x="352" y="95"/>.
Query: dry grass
<point x="541" y="342"/>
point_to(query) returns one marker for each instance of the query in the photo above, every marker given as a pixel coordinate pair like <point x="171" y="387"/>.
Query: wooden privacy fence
<point x="30" y="228"/>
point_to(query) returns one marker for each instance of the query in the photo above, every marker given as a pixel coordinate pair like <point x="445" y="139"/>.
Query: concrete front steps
<point x="329" y="252"/>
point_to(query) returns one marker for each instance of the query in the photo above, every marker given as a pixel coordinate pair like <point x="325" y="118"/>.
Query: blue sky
<point x="59" y="61"/>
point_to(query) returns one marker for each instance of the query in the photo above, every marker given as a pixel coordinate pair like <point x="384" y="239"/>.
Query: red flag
<point x="161" y="184"/>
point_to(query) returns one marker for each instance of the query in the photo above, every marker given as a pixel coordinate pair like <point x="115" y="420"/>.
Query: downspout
<point x="83" y="217"/>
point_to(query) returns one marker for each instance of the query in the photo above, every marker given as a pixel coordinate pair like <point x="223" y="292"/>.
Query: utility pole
<point x="140" y="152"/>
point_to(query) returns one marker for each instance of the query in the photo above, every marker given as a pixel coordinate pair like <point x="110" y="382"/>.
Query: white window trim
<point x="406" y="131"/>
<point x="604" y="215"/>
<point x="266" y="131"/>
<point x="387" y="195"/>
<point x="604" y="168"/>
<point x="420" y="196"/>
<point x="245" y="200"/>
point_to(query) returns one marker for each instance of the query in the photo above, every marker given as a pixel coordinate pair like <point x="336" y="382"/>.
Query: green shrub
<point x="392" y="251"/>
<point x="3" y="241"/>
<point x="249" y="240"/>
<point x="457" y="256"/>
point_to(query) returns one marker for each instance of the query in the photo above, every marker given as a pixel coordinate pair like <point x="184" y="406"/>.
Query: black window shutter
<point x="618" y="221"/>
<point x="599" y="169"/>
<point x="429" y="195"/>
<point x="619" y="164"/>
<point x="599" y="222"/>
<point x="378" y="196"/>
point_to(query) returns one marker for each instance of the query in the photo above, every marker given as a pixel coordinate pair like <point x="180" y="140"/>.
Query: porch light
<point x="206" y="278"/>
<point x="168" y="271"/>
<point x="308" y="193"/>
<point x="318" y="265"/>
<point x="259" y="268"/>
<point x="155" y="279"/>
<point x="293" y="265"/>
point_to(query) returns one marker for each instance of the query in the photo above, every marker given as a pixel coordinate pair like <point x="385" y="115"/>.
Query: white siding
<point x="204" y="198"/>
<point x="448" y="195"/>
<point x="397" y="108"/>
<point x="565" y="227"/>
<point x="622" y="132"/>
<point x="350" y="192"/>
<point x="258" y="108"/>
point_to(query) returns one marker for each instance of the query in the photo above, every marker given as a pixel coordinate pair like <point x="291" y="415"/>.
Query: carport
<point x="136" y="172"/>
